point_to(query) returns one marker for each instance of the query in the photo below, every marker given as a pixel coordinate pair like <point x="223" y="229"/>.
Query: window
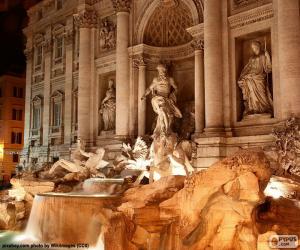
<point x="59" y="4"/>
<point x="17" y="114"/>
<point x="56" y="114"/>
<point x="36" y="112"/>
<point x="59" y="47"/>
<point x="39" y="55"/>
<point x="16" y="137"/>
<point x="17" y="92"/>
<point x="57" y="104"/>
<point x="15" y="157"/>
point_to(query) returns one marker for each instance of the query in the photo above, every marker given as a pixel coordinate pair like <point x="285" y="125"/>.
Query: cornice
<point x="251" y="16"/>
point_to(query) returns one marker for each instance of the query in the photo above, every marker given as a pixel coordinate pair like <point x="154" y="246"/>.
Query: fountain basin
<point x="69" y="218"/>
<point x="104" y="186"/>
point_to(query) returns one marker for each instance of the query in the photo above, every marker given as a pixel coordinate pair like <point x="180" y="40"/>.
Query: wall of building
<point x="12" y="105"/>
<point x="206" y="63"/>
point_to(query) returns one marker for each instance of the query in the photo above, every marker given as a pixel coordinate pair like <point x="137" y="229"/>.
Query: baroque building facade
<point x="236" y="64"/>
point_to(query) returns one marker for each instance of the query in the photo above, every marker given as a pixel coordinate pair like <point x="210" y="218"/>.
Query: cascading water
<point x="73" y="218"/>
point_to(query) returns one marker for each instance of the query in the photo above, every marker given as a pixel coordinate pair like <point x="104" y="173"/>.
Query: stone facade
<point x="74" y="48"/>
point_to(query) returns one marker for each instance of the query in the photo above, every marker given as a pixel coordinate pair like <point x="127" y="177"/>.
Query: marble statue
<point x="163" y="90"/>
<point x="108" y="108"/>
<point x="253" y="82"/>
<point x="88" y="168"/>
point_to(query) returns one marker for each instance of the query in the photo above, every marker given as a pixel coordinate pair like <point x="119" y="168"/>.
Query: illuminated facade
<point x="12" y="102"/>
<point x="76" y="47"/>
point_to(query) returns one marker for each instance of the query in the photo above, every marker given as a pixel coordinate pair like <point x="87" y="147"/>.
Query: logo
<point x="283" y="241"/>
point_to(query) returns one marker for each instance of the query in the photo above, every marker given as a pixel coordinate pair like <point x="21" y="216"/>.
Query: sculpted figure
<point x="253" y="82"/>
<point x="86" y="168"/>
<point x="163" y="90"/>
<point x="107" y="35"/>
<point x="108" y="107"/>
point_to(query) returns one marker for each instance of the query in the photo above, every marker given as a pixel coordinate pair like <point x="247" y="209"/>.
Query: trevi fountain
<point x="159" y="125"/>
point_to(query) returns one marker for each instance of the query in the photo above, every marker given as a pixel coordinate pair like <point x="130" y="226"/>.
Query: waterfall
<point x="65" y="219"/>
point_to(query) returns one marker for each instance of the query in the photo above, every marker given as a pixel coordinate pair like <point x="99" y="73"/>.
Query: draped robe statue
<point x="108" y="108"/>
<point x="163" y="90"/>
<point x="253" y="82"/>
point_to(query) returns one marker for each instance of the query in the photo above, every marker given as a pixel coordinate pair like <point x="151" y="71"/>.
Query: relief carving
<point x="107" y="35"/>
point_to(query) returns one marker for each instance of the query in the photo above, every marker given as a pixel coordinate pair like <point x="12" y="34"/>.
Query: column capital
<point x="28" y="52"/>
<point x="48" y="45"/>
<point x="69" y="37"/>
<point x="122" y="5"/>
<point x="139" y="61"/>
<point x="198" y="44"/>
<point x="86" y="19"/>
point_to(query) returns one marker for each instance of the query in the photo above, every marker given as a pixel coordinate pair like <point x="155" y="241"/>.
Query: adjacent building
<point x="12" y="105"/>
<point x="236" y="64"/>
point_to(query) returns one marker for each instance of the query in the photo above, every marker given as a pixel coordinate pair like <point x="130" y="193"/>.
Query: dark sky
<point x="13" y="19"/>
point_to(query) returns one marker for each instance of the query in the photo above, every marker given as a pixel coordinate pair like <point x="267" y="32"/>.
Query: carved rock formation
<point x="213" y="209"/>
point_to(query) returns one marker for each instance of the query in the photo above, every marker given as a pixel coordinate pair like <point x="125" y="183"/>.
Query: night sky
<point x="13" y="19"/>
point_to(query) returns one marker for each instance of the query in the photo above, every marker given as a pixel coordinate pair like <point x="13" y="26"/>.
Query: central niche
<point x="167" y="25"/>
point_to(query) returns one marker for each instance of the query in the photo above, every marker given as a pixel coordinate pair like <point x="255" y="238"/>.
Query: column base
<point x="213" y="149"/>
<point x="214" y="132"/>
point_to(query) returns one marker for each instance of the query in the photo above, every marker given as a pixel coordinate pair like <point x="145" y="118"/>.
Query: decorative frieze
<point x="252" y="16"/>
<point x="86" y="19"/>
<point x="121" y="5"/>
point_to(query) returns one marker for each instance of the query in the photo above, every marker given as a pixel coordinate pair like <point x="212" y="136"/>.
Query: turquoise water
<point x="15" y="241"/>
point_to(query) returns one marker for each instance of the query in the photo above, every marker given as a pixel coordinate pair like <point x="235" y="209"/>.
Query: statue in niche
<point x="107" y="35"/>
<point x="163" y="90"/>
<point x="253" y="82"/>
<point x="108" y="107"/>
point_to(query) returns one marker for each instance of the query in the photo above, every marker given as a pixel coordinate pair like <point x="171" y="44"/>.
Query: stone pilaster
<point x="85" y="21"/>
<point x="198" y="45"/>
<point x="69" y="41"/>
<point x="47" y="83"/>
<point x="141" y="91"/>
<point x="29" y="62"/>
<point x="214" y="120"/>
<point x="122" y="8"/>
<point x="288" y="30"/>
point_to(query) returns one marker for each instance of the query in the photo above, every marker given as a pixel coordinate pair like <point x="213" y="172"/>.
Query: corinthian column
<point x="47" y="78"/>
<point x="85" y="21"/>
<point x="122" y="8"/>
<point x="213" y="67"/>
<point x="288" y="21"/>
<point x="141" y="92"/>
<point x="198" y="44"/>
<point x="69" y="38"/>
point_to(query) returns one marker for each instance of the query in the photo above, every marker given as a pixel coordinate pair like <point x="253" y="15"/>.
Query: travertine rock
<point x="152" y="194"/>
<point x="213" y="210"/>
<point x="220" y="200"/>
<point x="32" y="187"/>
<point x="11" y="215"/>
